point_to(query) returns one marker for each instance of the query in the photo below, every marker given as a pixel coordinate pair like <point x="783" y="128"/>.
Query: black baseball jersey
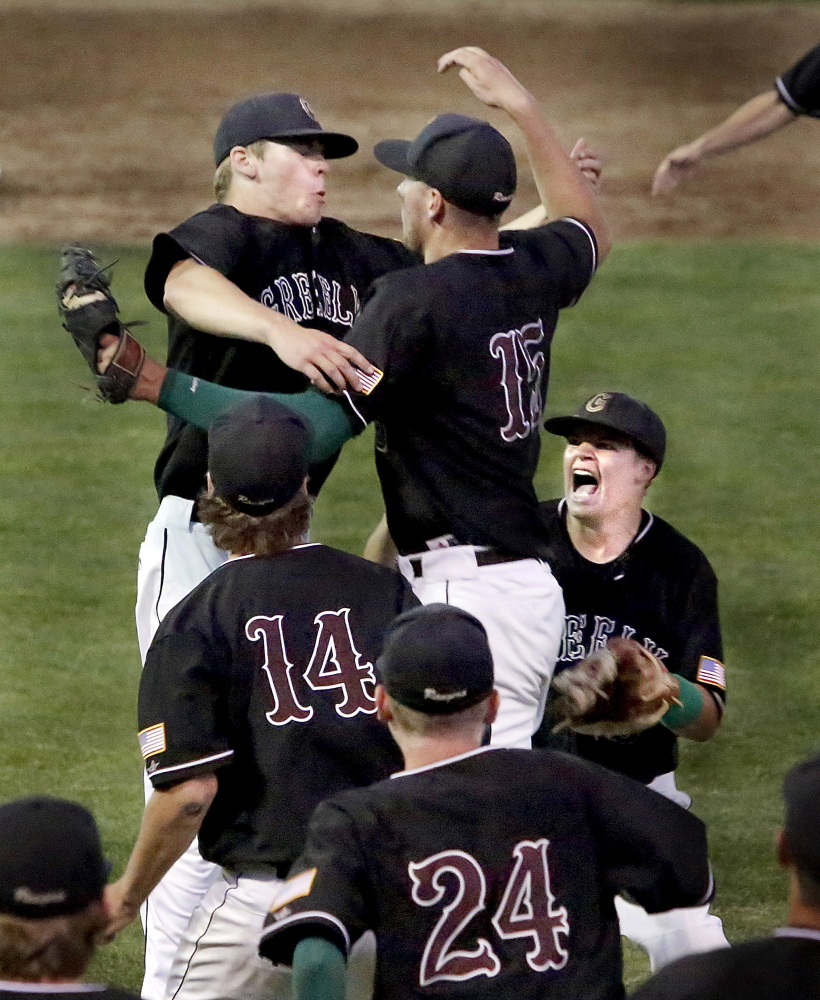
<point x="464" y="348"/>
<point x="662" y="592"/>
<point x="265" y="675"/>
<point x="490" y="875"/>
<point x="799" y="87"/>
<point x="787" y="966"/>
<point x="314" y="275"/>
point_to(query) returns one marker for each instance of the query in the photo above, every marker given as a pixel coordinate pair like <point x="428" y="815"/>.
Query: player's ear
<point x="383" y="712"/>
<point x="209" y="485"/>
<point x="242" y="163"/>
<point x="436" y="205"/>
<point x="492" y="708"/>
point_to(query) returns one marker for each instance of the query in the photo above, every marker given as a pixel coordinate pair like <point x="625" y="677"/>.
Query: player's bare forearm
<point x="757" y="118"/>
<point x="380" y="547"/>
<point x="171" y="820"/>
<point x="588" y="162"/>
<point x="210" y="302"/>
<point x="562" y="188"/>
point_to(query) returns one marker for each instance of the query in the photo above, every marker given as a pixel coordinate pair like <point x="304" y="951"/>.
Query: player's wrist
<point x="690" y="696"/>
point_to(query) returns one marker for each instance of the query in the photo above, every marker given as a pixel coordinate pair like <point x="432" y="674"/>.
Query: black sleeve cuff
<point x="165" y="253"/>
<point x="279" y="939"/>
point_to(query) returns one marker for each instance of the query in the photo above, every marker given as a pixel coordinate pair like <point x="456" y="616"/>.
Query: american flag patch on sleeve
<point x="369" y="382"/>
<point x="711" y="672"/>
<point x="152" y="740"/>
<point x="296" y="887"/>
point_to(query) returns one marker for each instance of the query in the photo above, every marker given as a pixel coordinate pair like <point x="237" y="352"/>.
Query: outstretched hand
<point x="487" y="77"/>
<point x="676" y="166"/>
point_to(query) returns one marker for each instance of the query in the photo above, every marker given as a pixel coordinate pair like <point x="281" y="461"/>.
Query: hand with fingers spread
<point x="330" y="364"/>
<point x="588" y="161"/>
<point x="487" y="77"/>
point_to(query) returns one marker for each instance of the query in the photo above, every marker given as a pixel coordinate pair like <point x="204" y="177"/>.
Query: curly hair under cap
<point x="243" y="534"/>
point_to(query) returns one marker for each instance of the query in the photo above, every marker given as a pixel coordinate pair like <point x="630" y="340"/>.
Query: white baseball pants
<point x="521" y="606"/>
<point x="176" y="555"/>
<point x="218" y="957"/>
<point x="670" y="935"/>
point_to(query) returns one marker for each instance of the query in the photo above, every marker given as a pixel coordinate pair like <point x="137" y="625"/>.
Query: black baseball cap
<point x="277" y="117"/>
<point x="258" y="455"/>
<point x="617" y="412"/>
<point x="801" y="794"/>
<point x="466" y="159"/>
<point x="51" y="859"/>
<point x="436" y="660"/>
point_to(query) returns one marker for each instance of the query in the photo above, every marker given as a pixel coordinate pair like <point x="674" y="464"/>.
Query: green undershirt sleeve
<point x="198" y="402"/>
<point x="319" y="970"/>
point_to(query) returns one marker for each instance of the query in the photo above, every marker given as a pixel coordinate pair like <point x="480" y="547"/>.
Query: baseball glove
<point x="89" y="311"/>
<point x="620" y="690"/>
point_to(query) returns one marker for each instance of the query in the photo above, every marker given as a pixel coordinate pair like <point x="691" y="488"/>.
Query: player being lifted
<point x="461" y="350"/>
<point x="484" y="872"/>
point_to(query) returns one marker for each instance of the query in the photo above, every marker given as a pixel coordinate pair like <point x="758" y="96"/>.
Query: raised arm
<point x="562" y="188"/>
<point x="588" y="161"/>
<point x="753" y="120"/>
<point x="210" y="302"/>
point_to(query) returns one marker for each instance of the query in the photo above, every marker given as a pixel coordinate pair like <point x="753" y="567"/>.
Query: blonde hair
<point x="422" y="724"/>
<point x="244" y="534"/>
<point x="224" y="172"/>
<point x="58" y="948"/>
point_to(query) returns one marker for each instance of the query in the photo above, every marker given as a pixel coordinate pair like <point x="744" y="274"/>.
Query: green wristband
<point x="691" y="698"/>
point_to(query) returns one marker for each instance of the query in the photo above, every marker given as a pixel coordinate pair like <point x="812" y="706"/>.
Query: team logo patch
<point x="711" y="672"/>
<point x="296" y="887"/>
<point x="152" y="740"/>
<point x="369" y="382"/>
<point x="598" y="403"/>
<point x="308" y="110"/>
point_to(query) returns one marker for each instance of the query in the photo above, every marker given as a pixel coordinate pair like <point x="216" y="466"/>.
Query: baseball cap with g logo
<point x="617" y="412"/>
<point x="276" y="117"/>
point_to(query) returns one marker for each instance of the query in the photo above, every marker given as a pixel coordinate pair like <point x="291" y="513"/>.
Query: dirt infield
<point x="105" y="118"/>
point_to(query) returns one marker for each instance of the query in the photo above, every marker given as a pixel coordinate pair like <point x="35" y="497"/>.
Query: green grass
<point x="721" y="338"/>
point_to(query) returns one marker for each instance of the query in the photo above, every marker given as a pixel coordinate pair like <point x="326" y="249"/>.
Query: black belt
<point x="489" y="557"/>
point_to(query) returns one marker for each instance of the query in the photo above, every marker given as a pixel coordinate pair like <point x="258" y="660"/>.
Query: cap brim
<point x="335" y="145"/>
<point x="562" y="426"/>
<point x="392" y="153"/>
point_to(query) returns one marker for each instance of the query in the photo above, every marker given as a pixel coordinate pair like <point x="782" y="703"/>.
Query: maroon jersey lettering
<point x="522" y="372"/>
<point x="279" y="670"/>
<point x="337" y="663"/>
<point x="441" y="961"/>
<point x="528" y="908"/>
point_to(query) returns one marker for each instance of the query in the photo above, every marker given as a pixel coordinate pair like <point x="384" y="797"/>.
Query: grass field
<point x="720" y="338"/>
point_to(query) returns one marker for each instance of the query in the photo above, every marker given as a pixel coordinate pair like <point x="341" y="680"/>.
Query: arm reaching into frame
<point x="757" y="118"/>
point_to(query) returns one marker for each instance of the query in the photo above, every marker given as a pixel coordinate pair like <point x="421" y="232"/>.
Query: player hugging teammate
<point x="261" y="687"/>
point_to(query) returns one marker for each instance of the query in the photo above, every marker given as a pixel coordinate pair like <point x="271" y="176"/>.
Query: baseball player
<point x="626" y="572"/>
<point x="484" y="872"/>
<point x="52" y="905"/>
<point x="788" y="963"/>
<point x="258" y="289"/>
<point x="795" y="93"/>
<point x="256" y="701"/>
<point x="460" y="349"/>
